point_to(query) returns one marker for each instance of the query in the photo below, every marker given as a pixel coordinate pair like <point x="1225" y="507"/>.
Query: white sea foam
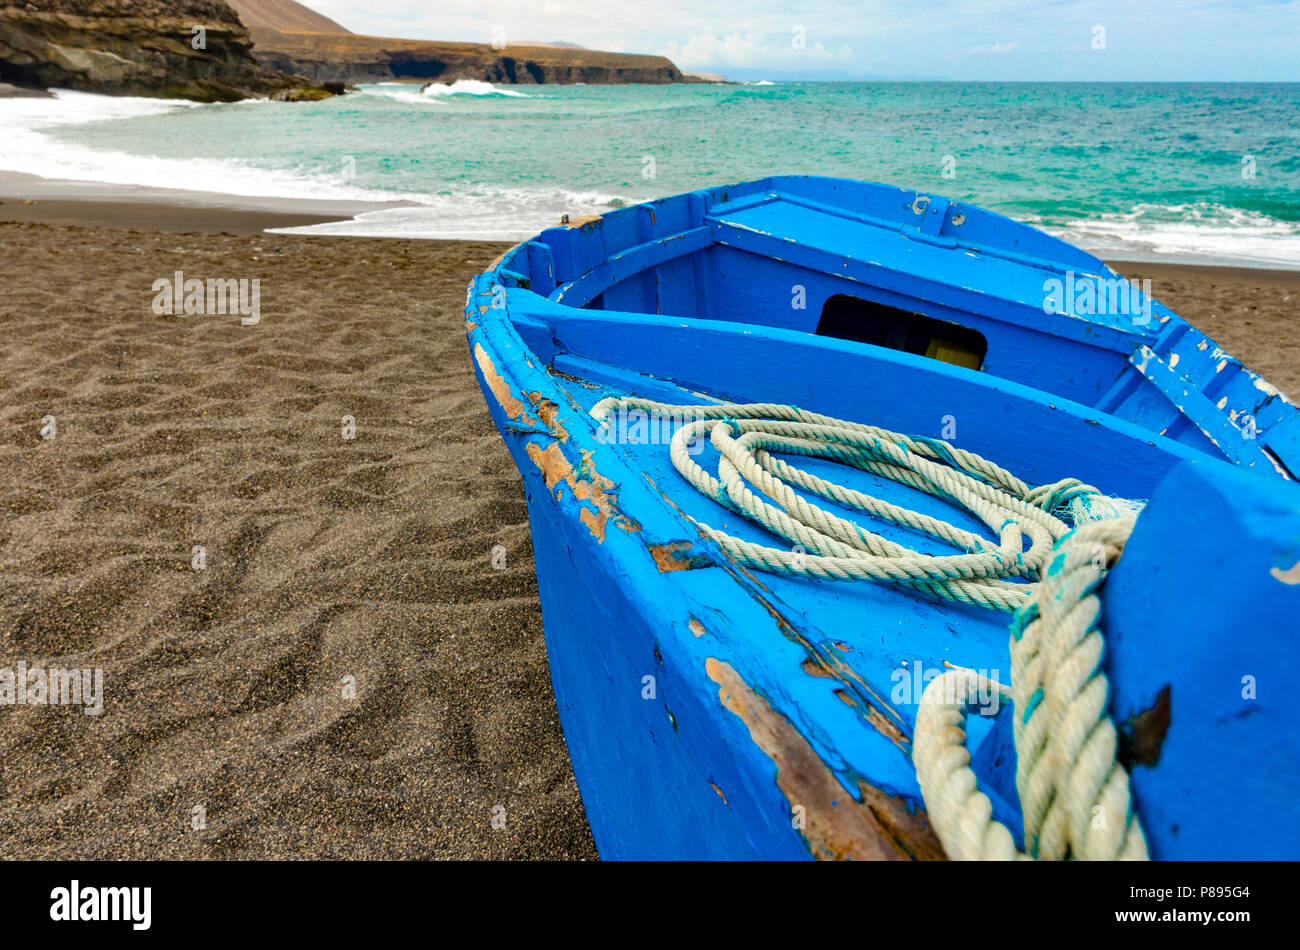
<point x="402" y="92"/>
<point x="1199" y="231"/>
<point x="28" y="149"/>
<point x="497" y="214"/>
<point x="436" y="93"/>
<point x="471" y="87"/>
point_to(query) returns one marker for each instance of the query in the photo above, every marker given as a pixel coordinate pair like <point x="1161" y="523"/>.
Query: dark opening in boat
<point x="866" y="321"/>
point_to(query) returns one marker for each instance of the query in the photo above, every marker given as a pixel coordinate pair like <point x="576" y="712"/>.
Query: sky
<point x="1142" y="40"/>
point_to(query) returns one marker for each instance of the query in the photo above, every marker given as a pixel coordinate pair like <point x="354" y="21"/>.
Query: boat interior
<point x="901" y="270"/>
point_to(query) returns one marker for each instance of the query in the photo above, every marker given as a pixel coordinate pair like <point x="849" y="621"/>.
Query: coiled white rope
<point x="1074" y="794"/>
<point x="745" y="434"/>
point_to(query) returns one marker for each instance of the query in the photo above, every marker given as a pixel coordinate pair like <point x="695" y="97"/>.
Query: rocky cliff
<point x="347" y="57"/>
<point x="287" y="15"/>
<point x="191" y="49"/>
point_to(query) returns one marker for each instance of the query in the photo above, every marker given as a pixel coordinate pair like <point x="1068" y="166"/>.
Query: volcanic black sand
<point x="227" y="703"/>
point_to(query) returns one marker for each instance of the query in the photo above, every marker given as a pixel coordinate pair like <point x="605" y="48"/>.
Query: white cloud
<point x="560" y="10"/>
<point x="752" y="49"/>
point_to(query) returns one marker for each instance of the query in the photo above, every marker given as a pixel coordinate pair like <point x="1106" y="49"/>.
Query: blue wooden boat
<point x="726" y="693"/>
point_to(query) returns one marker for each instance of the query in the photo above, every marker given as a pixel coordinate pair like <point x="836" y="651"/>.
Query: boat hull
<point x="715" y="712"/>
<point x="676" y="757"/>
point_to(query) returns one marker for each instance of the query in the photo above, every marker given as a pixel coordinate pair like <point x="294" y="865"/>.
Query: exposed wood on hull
<point x="835" y="826"/>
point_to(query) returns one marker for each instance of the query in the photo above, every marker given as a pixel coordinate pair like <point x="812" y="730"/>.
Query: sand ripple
<point x="325" y="558"/>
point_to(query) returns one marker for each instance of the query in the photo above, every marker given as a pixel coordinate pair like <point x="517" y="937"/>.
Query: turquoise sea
<point x="1181" y="171"/>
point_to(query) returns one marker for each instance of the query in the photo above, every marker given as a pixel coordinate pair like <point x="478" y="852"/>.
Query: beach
<point x="1248" y="311"/>
<point x="228" y="727"/>
<point x="343" y="671"/>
